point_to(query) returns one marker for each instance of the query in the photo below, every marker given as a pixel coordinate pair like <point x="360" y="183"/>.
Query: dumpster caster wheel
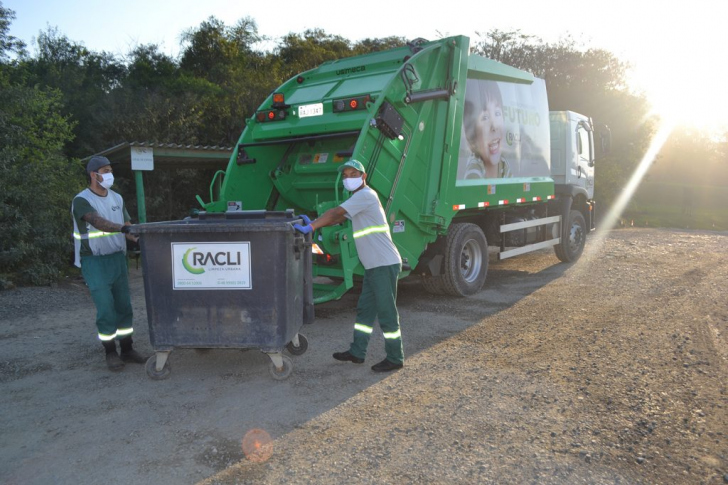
<point x="151" y="368"/>
<point x="299" y="349"/>
<point x="283" y="372"/>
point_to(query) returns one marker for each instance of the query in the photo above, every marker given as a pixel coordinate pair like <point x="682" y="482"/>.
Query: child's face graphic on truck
<point x="489" y="132"/>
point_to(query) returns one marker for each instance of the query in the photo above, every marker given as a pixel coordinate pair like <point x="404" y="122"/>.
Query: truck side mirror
<point x="605" y="139"/>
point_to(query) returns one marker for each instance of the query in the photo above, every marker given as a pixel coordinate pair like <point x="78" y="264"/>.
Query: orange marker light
<point x="278" y="98"/>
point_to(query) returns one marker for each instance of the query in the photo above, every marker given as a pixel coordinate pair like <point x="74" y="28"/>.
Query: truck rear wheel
<point x="466" y="260"/>
<point x="433" y="284"/>
<point x="573" y="238"/>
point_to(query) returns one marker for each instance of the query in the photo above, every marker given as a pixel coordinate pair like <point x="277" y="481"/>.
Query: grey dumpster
<point x="231" y="280"/>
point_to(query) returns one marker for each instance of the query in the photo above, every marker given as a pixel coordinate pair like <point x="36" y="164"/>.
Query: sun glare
<point x="610" y="220"/>
<point x="689" y="98"/>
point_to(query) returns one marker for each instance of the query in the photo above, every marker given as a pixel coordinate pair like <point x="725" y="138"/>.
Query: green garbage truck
<point x="461" y="149"/>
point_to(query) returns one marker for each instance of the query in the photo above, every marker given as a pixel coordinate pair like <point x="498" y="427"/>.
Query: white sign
<point x="307" y="110"/>
<point x="142" y="158"/>
<point x="205" y="266"/>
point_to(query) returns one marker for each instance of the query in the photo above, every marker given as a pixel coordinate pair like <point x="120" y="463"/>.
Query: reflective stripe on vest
<point x="370" y="230"/>
<point x="393" y="335"/>
<point x="93" y="234"/>
<point x="362" y="328"/>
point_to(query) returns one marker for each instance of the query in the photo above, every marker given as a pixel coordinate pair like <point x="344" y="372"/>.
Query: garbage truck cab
<point x="458" y="147"/>
<point x="572" y="158"/>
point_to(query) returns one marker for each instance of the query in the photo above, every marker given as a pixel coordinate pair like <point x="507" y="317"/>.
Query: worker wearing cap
<point x="100" y="225"/>
<point x="382" y="264"/>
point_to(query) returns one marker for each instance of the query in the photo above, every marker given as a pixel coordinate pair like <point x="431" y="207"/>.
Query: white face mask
<point x="352" y="184"/>
<point x="108" y="180"/>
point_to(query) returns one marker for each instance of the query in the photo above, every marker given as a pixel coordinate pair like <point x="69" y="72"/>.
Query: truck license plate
<point x="307" y="110"/>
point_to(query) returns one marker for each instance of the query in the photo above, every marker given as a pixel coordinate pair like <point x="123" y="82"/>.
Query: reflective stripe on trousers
<point x="122" y="332"/>
<point x="363" y="328"/>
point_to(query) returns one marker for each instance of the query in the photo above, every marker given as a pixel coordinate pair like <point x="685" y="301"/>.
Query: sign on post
<point x="142" y="158"/>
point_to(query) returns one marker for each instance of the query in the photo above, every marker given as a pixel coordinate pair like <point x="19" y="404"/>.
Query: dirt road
<point x="612" y="370"/>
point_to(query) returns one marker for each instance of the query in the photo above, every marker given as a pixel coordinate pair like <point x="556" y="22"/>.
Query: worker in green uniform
<point x="100" y="225"/>
<point x="382" y="264"/>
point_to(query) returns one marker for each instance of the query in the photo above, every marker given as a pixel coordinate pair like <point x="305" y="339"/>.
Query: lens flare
<point x="610" y="220"/>
<point x="257" y="445"/>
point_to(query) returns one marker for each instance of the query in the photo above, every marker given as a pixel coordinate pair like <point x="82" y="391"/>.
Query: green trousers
<point x="378" y="301"/>
<point x="107" y="278"/>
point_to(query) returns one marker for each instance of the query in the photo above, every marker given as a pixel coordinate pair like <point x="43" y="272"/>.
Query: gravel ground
<point x="611" y="370"/>
<point x="614" y="372"/>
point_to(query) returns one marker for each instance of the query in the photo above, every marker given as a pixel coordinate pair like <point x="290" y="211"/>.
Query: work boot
<point x="386" y="366"/>
<point x="128" y="354"/>
<point x="113" y="362"/>
<point x="347" y="357"/>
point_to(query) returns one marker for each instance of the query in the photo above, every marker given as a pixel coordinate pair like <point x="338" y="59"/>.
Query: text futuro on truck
<point x="462" y="151"/>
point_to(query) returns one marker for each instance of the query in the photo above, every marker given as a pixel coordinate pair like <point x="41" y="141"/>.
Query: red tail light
<point x="271" y="115"/>
<point x="351" y="104"/>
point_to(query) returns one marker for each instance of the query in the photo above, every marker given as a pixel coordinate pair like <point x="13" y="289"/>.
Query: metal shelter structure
<point x="148" y="156"/>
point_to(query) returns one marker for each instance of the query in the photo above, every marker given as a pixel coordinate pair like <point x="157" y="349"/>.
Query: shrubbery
<point x="37" y="183"/>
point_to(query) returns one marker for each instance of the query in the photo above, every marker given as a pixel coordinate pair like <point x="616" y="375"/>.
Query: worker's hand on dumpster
<point x="130" y="232"/>
<point x="303" y="229"/>
<point x="305" y="218"/>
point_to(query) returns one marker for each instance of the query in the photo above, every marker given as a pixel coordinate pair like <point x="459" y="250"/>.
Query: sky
<point x="675" y="47"/>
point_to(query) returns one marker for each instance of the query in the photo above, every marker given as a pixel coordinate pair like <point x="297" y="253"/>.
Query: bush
<point x="37" y="184"/>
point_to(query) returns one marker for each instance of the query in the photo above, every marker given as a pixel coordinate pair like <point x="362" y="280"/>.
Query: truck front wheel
<point x="466" y="260"/>
<point x="573" y="238"/>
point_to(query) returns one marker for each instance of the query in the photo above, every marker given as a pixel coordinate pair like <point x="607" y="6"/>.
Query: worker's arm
<point x="328" y="218"/>
<point x="105" y="225"/>
<point x="332" y="216"/>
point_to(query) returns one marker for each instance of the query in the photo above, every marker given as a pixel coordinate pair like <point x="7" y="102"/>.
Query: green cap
<point x="355" y="164"/>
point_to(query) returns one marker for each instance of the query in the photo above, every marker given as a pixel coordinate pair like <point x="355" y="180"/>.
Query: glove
<point x="303" y="229"/>
<point x="305" y="218"/>
<point x="125" y="229"/>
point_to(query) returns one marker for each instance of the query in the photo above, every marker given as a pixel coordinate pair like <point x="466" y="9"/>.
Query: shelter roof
<point x="172" y="155"/>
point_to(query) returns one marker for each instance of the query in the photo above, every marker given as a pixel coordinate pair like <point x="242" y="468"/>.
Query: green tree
<point x="84" y="79"/>
<point x="297" y="53"/>
<point x="152" y="101"/>
<point x="8" y="43"/>
<point x="367" y="46"/>
<point x="231" y="78"/>
<point x="36" y="181"/>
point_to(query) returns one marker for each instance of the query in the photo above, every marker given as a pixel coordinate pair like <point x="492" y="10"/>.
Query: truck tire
<point x="466" y="260"/>
<point x="433" y="284"/>
<point x="573" y="238"/>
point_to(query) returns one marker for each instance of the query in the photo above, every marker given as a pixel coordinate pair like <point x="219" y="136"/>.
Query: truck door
<point x="585" y="157"/>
